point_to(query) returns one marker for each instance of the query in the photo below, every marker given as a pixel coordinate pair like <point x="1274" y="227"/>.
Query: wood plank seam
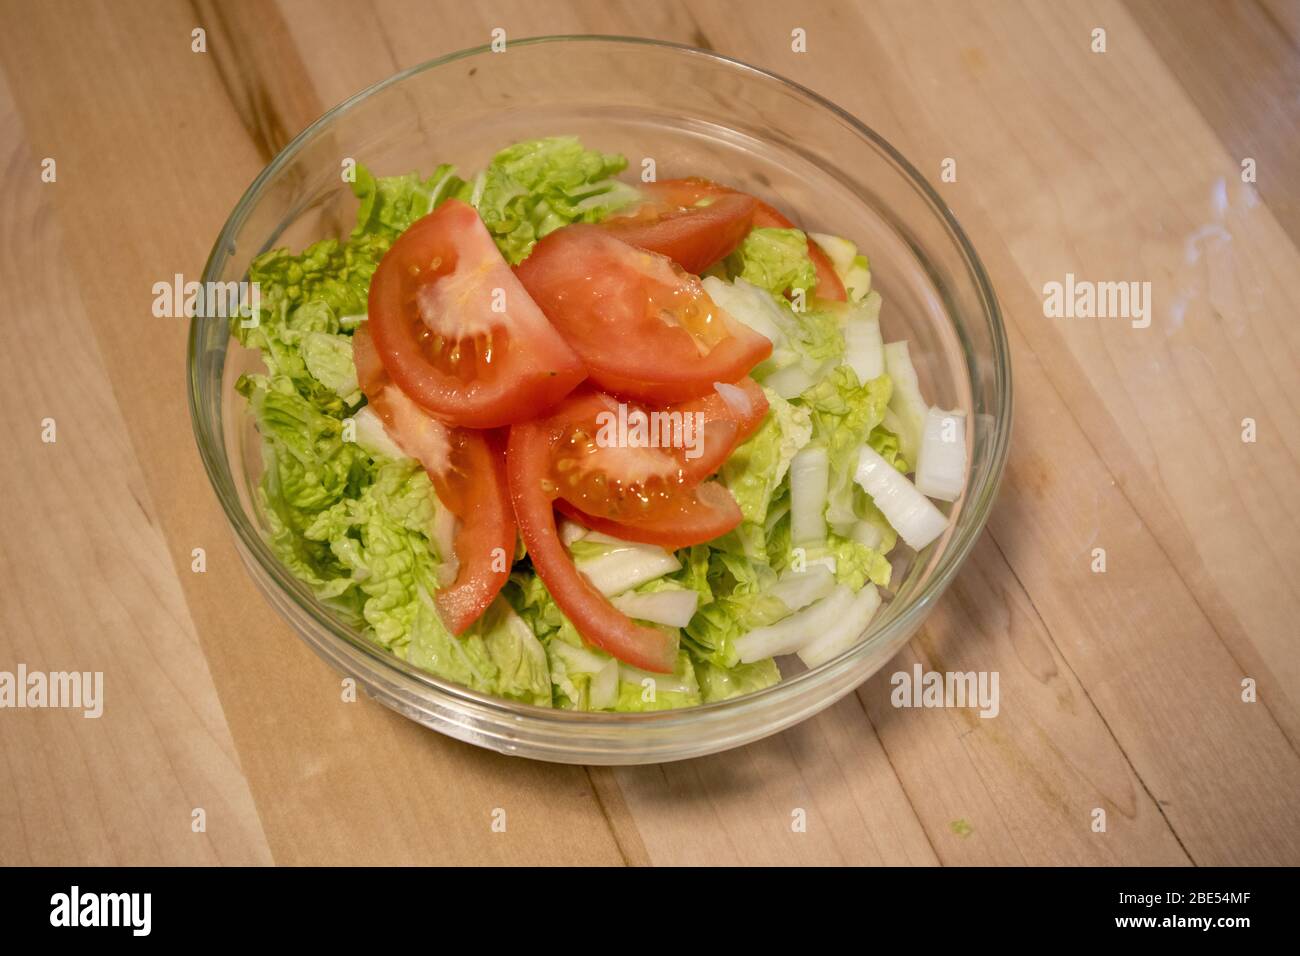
<point x="1091" y="703"/>
<point x="902" y="782"/>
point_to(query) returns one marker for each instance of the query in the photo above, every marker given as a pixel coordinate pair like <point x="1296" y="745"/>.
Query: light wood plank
<point x="90" y="587"/>
<point x="1248" y="93"/>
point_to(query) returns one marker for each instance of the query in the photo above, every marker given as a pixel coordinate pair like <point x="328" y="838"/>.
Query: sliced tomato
<point x="727" y="422"/>
<point x="639" y="466"/>
<point x="532" y="491"/>
<point x="591" y="467"/>
<point x="698" y="512"/>
<point x="467" y="469"/>
<point x="370" y="369"/>
<point x="701" y="514"/>
<point x="456" y="331"/>
<point x="475" y="490"/>
<point x="644" y="328"/>
<point x="695" y="237"/>
<point x="687" y="193"/>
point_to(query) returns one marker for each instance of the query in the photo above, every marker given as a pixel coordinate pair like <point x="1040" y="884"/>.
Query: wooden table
<point x="1120" y="690"/>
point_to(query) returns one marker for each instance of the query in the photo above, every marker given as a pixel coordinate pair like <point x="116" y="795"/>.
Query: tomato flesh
<point x="727" y="423"/>
<point x="532" y="492"/>
<point x="370" y="368"/>
<point x="638" y="465"/>
<point x="475" y="489"/>
<point x="697" y="516"/>
<point x="644" y="328"/>
<point x="458" y="345"/>
<point x="695" y="237"/>
<point x="655" y="496"/>
<point x="686" y="193"/>
<point x="456" y="331"/>
<point x="467" y="469"/>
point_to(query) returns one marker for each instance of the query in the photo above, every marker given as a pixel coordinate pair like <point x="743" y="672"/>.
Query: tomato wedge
<point x="701" y="514"/>
<point x="476" y="491"/>
<point x="686" y="193"/>
<point x="456" y="331"/>
<point x="636" y="473"/>
<point x="532" y="491"/>
<point x="728" y="421"/>
<point x="467" y="468"/>
<point x="693" y="236"/>
<point x="370" y="368"/>
<point x="644" y="328"/>
<point x="635" y="465"/>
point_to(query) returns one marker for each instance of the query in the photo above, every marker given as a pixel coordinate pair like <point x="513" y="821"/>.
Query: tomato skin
<point x="467" y="470"/>
<point x="370" y="368"/>
<point x="659" y="394"/>
<point x="436" y="325"/>
<point x="701" y="514"/>
<point x="694" y="238"/>
<point x="609" y="301"/>
<point x="527" y="461"/>
<point x="640" y="466"/>
<point x="687" y="192"/>
<point x="485" y="535"/>
<point x="725" y="427"/>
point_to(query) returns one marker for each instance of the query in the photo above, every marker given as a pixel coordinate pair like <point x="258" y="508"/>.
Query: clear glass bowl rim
<point x="978" y="501"/>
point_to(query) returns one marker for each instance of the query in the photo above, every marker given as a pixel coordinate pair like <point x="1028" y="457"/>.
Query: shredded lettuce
<point x="303" y="299"/>
<point x="523" y="670"/>
<point x="643" y="691"/>
<point x="856" y="564"/>
<point x="533" y="188"/>
<point x="431" y="647"/>
<point x="328" y="357"/>
<point x="575" y="666"/>
<point x="805" y="344"/>
<point x="756" y="470"/>
<point x="722" y="683"/>
<point x="389" y="204"/>
<point x="378" y="538"/>
<point x="742" y="602"/>
<point x="774" y="259"/>
<point x="308" y="465"/>
<point x="817" y="336"/>
<point x="888" y="446"/>
<point x="844" y="413"/>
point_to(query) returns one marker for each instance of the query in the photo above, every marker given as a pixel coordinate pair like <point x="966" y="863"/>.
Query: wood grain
<point x="90" y="587"/>
<point x="1120" y="691"/>
<point x="1249" y="97"/>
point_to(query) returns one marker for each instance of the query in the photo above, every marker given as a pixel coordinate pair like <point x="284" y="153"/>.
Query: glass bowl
<point x="692" y="113"/>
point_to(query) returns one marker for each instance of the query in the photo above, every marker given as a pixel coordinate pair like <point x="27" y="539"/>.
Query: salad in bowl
<point x="584" y="442"/>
